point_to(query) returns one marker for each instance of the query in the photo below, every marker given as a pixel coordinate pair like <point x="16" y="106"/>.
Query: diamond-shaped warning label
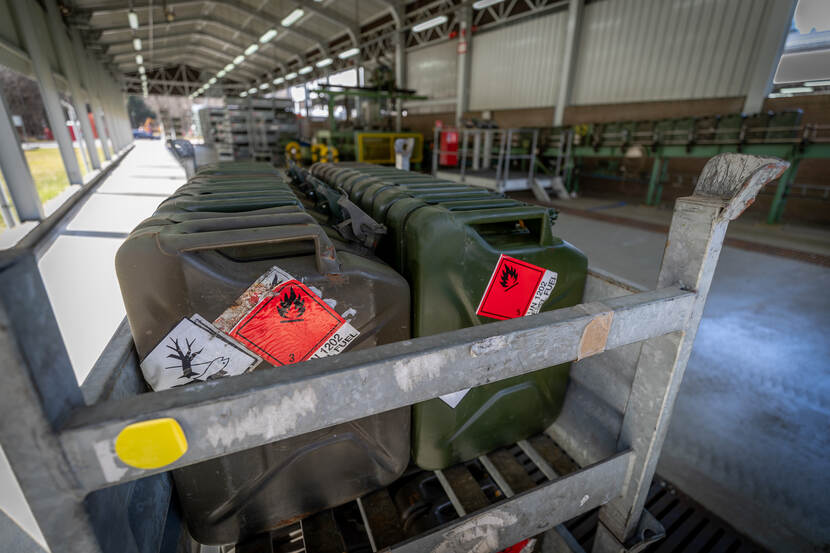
<point x="288" y="326"/>
<point x="516" y="289"/>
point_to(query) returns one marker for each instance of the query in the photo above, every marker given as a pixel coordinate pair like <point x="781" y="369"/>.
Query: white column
<point x="774" y="35"/>
<point x="400" y="72"/>
<point x="570" y="59"/>
<point x="36" y="48"/>
<point x="15" y="169"/>
<point x="465" y="45"/>
<point x="91" y="85"/>
<point x="70" y="71"/>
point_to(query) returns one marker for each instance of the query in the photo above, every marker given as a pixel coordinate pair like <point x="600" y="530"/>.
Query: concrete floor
<point x="749" y="438"/>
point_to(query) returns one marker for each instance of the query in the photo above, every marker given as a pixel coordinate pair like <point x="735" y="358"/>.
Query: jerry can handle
<point x="325" y="255"/>
<point x="516" y="214"/>
<point x="234" y="221"/>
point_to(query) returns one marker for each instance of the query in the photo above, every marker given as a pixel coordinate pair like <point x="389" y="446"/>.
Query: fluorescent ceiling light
<point x="348" y="53"/>
<point x="252" y="90"/>
<point x="779" y="95"/>
<point x="292" y="17"/>
<point x="141" y="69"/>
<point x="229" y="68"/>
<point x="796" y="89"/>
<point x="132" y="17"/>
<point x="251" y="49"/>
<point x="817" y="83"/>
<point x="221" y="74"/>
<point x="263" y="86"/>
<point x="139" y="59"/>
<point x="279" y="80"/>
<point x="238" y="59"/>
<point x="481" y="4"/>
<point x="305" y="70"/>
<point x="212" y="80"/>
<point x="429" y="24"/>
<point x="243" y="94"/>
<point x="137" y="44"/>
<point x="290" y="76"/>
<point x="267" y="36"/>
<point x="324" y="62"/>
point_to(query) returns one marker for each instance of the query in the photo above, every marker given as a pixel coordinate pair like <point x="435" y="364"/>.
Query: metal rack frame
<point x="61" y="446"/>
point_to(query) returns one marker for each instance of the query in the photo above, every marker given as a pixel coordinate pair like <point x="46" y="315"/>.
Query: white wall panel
<point x="643" y="50"/>
<point x="518" y="66"/>
<point x="432" y="70"/>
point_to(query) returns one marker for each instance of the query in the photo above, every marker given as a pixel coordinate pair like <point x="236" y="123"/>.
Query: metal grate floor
<point x="421" y="501"/>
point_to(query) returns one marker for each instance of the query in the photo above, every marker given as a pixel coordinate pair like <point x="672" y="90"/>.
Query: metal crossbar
<point x="62" y="449"/>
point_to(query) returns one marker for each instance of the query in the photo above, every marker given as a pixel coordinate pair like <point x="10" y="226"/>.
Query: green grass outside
<point x="48" y="172"/>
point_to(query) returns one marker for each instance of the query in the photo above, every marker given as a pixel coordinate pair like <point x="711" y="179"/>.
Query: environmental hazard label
<point x="293" y="324"/>
<point x="516" y="289"/>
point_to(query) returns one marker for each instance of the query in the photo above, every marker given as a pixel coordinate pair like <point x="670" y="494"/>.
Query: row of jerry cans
<point x="204" y="247"/>
<point x="447" y="240"/>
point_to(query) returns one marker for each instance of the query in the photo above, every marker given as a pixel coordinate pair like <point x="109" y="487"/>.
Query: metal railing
<point x="486" y="152"/>
<point x="62" y="447"/>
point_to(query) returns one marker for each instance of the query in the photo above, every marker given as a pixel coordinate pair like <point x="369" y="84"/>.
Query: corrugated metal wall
<point x="518" y="65"/>
<point x="642" y="50"/>
<point x="432" y="70"/>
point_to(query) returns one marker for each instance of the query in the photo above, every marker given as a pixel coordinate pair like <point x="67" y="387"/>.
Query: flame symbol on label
<point x="291" y="302"/>
<point x="509" y="277"/>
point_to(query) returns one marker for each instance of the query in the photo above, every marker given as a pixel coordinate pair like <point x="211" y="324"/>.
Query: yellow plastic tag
<point x="151" y="444"/>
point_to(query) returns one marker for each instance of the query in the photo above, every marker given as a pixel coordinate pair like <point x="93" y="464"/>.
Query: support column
<point x="35" y="44"/>
<point x="400" y="73"/>
<point x="776" y="210"/>
<point x="728" y="183"/>
<point x="654" y="181"/>
<point x="15" y="169"/>
<point x="774" y="35"/>
<point x="84" y="65"/>
<point x="569" y="60"/>
<point x="465" y="44"/>
<point x="70" y="71"/>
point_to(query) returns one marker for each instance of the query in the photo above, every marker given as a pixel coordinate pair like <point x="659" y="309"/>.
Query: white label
<point x="454" y="398"/>
<point x="195" y="351"/>
<point x="542" y="294"/>
<point x="341" y="339"/>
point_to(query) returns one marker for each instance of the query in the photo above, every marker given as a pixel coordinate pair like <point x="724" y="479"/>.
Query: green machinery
<point x="779" y="134"/>
<point x="354" y="138"/>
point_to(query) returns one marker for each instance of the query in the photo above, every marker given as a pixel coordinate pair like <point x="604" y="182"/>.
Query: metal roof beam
<point x="204" y="20"/>
<point x="350" y="26"/>
<point x="320" y="41"/>
<point x="267" y="65"/>
<point x="163" y="53"/>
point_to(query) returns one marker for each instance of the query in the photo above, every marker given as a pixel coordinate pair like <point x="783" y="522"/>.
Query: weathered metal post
<point x="728" y="184"/>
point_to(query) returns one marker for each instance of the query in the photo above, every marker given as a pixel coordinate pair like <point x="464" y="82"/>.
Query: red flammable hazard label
<point x="289" y="326"/>
<point x="516" y="289"/>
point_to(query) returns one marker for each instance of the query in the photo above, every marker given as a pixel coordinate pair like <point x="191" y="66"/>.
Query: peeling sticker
<point x="269" y="421"/>
<point x="584" y="500"/>
<point x="409" y="374"/>
<point x="478" y="535"/>
<point x="105" y="451"/>
<point x="454" y="398"/>
<point x="488" y="345"/>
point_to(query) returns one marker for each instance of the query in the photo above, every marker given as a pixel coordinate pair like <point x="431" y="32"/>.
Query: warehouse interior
<point x="620" y="137"/>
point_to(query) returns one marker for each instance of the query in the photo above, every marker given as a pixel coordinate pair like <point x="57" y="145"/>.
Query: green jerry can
<point x="180" y="263"/>
<point x="450" y="251"/>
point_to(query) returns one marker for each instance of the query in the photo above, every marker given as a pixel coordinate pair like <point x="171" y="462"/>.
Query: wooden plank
<point x="383" y="518"/>
<point x="466" y="488"/>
